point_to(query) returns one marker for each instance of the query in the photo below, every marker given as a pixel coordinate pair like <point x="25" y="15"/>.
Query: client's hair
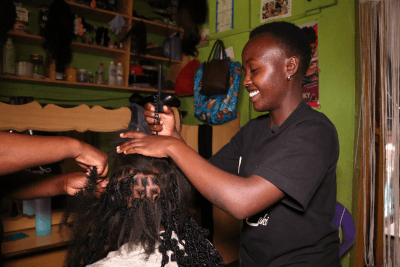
<point x="117" y="217"/>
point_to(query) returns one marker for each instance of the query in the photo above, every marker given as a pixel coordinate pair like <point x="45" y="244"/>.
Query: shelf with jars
<point x="123" y="55"/>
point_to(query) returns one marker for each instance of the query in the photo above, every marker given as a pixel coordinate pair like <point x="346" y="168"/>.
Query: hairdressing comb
<point x="158" y="104"/>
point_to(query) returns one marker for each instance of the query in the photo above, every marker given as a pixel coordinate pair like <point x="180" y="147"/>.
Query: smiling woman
<point x="279" y="171"/>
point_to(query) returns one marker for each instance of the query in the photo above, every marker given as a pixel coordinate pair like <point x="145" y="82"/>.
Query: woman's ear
<point x="292" y="66"/>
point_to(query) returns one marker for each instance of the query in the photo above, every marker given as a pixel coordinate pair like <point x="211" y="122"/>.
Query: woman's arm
<point x="19" y="151"/>
<point x="28" y="185"/>
<point x="239" y="196"/>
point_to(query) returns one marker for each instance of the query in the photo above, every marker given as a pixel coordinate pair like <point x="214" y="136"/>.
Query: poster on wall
<point x="275" y="9"/>
<point x="311" y="79"/>
<point x="224" y="19"/>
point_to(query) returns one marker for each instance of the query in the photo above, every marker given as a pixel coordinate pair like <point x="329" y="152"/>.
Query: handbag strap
<point x="213" y="51"/>
<point x="218" y="46"/>
<point x="221" y="50"/>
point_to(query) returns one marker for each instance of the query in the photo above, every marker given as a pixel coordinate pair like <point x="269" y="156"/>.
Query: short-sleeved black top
<point x="300" y="158"/>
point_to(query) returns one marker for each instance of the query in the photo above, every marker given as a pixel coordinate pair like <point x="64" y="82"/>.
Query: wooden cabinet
<point x="123" y="56"/>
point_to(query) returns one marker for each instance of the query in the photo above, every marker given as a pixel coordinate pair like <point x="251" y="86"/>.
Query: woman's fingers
<point x="145" y="144"/>
<point x="129" y="146"/>
<point x="132" y="134"/>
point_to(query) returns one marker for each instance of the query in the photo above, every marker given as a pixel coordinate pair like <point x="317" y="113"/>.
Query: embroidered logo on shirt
<point x="261" y="221"/>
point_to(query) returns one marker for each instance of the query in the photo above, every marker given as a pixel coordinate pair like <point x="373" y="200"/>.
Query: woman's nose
<point x="246" y="81"/>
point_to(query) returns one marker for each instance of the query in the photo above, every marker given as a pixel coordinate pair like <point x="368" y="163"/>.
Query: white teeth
<point x="253" y="93"/>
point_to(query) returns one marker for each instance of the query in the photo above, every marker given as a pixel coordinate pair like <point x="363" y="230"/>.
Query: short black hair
<point x="290" y="37"/>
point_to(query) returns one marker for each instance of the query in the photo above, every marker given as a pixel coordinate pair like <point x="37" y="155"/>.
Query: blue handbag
<point x="217" y="109"/>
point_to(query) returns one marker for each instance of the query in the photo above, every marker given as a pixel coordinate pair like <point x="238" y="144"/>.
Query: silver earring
<point x="288" y="77"/>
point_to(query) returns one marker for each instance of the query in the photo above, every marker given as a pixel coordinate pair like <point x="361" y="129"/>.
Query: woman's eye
<point x="253" y="70"/>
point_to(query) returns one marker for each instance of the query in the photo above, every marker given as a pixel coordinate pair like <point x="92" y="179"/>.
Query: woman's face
<point x="264" y="65"/>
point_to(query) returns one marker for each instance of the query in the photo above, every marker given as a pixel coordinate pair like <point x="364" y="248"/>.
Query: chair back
<point x="344" y="220"/>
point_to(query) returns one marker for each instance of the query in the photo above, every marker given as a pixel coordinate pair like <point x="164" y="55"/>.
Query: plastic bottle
<point x="100" y="74"/>
<point x="120" y="74"/>
<point x="89" y="77"/>
<point x="9" y="58"/>
<point x="112" y="74"/>
<point x="43" y="216"/>
<point x="173" y="47"/>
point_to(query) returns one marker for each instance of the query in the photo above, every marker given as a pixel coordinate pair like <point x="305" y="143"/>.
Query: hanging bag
<point x="219" y="108"/>
<point x="184" y="83"/>
<point x="216" y="72"/>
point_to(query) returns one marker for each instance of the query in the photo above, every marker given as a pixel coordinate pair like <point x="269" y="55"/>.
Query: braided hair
<point x="117" y="217"/>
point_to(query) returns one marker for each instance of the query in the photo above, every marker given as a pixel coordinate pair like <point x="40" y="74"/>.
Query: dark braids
<point x="291" y="39"/>
<point x="117" y="217"/>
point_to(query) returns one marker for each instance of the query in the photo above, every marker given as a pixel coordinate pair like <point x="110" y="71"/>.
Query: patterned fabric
<point x="217" y="109"/>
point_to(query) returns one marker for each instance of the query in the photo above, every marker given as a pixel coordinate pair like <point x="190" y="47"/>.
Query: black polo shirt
<point x="300" y="158"/>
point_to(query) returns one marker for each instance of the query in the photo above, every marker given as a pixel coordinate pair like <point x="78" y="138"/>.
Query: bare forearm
<point x="18" y="151"/>
<point x="239" y="196"/>
<point x="177" y="135"/>
<point x="30" y="186"/>
<point x="231" y="193"/>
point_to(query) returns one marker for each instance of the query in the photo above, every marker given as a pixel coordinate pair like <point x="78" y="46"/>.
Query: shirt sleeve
<point x="228" y="157"/>
<point x="301" y="162"/>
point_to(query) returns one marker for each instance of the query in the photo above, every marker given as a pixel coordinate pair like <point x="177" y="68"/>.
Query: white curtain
<point x="380" y="57"/>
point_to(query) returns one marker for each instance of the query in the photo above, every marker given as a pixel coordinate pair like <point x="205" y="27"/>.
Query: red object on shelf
<point x="137" y="69"/>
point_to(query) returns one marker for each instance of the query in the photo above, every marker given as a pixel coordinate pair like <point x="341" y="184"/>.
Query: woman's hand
<point x="75" y="182"/>
<point x="145" y="144"/>
<point x="90" y="156"/>
<point x="166" y="126"/>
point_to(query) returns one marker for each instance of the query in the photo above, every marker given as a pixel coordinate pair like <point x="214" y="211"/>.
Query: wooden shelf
<point x="34" y="243"/>
<point x="25" y="38"/>
<point x="81" y="10"/>
<point x="26" y="224"/>
<point x="158" y="27"/>
<point x="90" y="85"/>
<point x="157" y="58"/>
<point x="96" y="14"/>
<point x="103" y="15"/>
<point x="21" y="37"/>
<point x="97" y="50"/>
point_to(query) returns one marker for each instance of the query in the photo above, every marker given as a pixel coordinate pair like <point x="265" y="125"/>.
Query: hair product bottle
<point x="120" y="74"/>
<point x="9" y="58"/>
<point x="100" y="74"/>
<point x="112" y="74"/>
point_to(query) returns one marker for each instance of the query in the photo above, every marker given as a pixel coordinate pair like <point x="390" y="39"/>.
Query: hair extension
<point x="117" y="217"/>
<point x="138" y="35"/>
<point x="7" y="17"/>
<point x="191" y="14"/>
<point x="59" y="33"/>
<point x="291" y="38"/>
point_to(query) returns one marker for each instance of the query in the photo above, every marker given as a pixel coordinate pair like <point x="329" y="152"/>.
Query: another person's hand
<point x="166" y="126"/>
<point x="75" y="182"/>
<point x="90" y="156"/>
<point x="145" y="144"/>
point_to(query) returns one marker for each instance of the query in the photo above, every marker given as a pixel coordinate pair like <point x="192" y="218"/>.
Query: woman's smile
<point x="253" y="93"/>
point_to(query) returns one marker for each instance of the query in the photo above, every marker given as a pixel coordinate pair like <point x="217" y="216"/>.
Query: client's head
<point x="144" y="195"/>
